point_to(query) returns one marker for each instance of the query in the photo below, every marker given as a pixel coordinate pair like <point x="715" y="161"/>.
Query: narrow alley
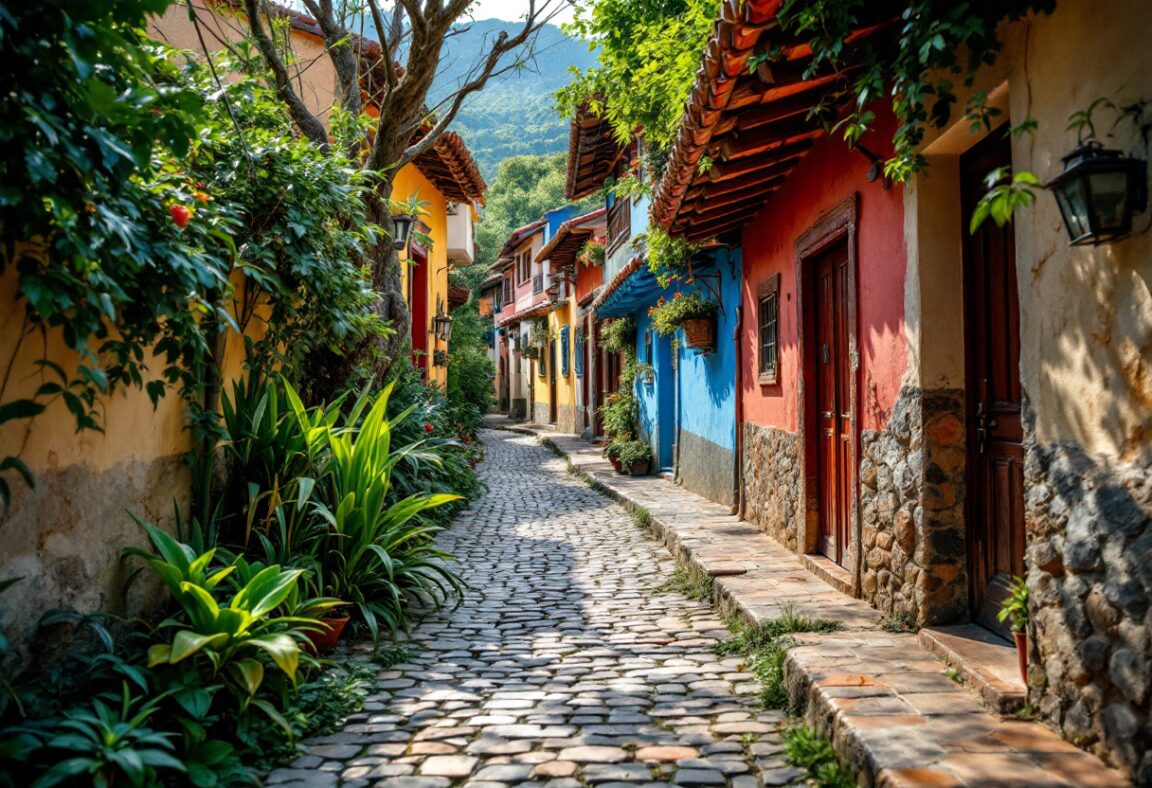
<point x="567" y="663"/>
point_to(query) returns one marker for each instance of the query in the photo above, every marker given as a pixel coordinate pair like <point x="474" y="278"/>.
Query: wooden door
<point x="995" y="487"/>
<point x="833" y="403"/>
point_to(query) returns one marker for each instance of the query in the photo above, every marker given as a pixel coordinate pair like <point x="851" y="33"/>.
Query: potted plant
<point x="594" y="251"/>
<point x="636" y="456"/>
<point x="612" y="452"/>
<point x="692" y="312"/>
<point x="332" y="626"/>
<point x="1015" y="610"/>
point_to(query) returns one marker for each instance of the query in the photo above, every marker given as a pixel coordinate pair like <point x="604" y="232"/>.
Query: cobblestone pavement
<point x="567" y="663"/>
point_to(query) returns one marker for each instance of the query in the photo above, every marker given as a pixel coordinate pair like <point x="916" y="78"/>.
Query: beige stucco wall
<point x="315" y="78"/>
<point x="1086" y="312"/>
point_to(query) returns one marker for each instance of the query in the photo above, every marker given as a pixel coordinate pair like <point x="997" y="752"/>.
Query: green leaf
<point x="285" y="652"/>
<point x="248" y="672"/>
<point x="186" y="643"/>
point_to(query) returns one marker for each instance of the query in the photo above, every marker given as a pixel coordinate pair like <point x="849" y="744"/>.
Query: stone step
<point x="985" y="661"/>
<point x="897" y="719"/>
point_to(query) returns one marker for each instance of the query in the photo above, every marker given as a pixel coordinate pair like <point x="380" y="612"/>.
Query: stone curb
<point x="883" y="733"/>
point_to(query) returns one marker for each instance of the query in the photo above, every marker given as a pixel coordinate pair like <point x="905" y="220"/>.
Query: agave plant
<point x="377" y="555"/>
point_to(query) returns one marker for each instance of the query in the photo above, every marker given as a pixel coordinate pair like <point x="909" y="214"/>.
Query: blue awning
<point x="639" y="291"/>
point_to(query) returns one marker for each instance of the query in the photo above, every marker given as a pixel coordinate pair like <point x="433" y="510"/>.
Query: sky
<point x="514" y="10"/>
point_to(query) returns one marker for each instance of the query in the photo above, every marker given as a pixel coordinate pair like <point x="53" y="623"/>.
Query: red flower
<point x="428" y="428"/>
<point x="677" y="295"/>
<point x="180" y="215"/>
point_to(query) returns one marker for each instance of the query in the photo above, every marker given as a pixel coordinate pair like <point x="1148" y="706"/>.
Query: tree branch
<point x="308" y="123"/>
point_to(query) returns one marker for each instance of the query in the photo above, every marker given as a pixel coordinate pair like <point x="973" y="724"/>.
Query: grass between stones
<point x="690" y="582"/>
<point x="808" y="750"/>
<point x="765" y="647"/>
<point x="641" y="518"/>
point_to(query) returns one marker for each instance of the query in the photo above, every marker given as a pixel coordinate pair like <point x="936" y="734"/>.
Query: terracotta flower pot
<point x="699" y="333"/>
<point x="639" y="468"/>
<point x="326" y="640"/>
<point x="616" y="466"/>
<point x="1021" y="639"/>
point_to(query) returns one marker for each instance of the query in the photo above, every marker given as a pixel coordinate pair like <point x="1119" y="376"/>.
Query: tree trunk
<point x="388" y="282"/>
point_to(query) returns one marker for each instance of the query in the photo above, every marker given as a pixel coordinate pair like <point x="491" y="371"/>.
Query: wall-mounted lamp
<point x="442" y="327"/>
<point x="452" y="208"/>
<point x="1098" y="192"/>
<point x="402" y="223"/>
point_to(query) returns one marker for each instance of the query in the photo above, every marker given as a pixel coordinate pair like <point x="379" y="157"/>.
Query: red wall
<point x="588" y="278"/>
<point x="826" y="177"/>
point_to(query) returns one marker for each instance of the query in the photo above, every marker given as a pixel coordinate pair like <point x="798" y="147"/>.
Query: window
<point x="565" y="354"/>
<point x="768" y="298"/>
<point x="580" y="352"/>
<point x="523" y="267"/>
<point x="508" y="289"/>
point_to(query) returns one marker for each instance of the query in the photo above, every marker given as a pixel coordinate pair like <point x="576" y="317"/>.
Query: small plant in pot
<point x="1015" y="610"/>
<point x="636" y="456"/>
<point x="612" y="452"/>
<point x="692" y="312"/>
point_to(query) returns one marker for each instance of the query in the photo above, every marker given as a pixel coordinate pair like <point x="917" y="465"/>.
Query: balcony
<point x="461" y="243"/>
<point x="619" y="223"/>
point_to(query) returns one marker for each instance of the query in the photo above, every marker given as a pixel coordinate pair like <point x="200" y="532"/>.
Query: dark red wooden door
<point x="995" y="489"/>
<point x="833" y="401"/>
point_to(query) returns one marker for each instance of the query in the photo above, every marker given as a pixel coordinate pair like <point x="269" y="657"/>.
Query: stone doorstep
<point x="830" y="572"/>
<point x="985" y="661"/>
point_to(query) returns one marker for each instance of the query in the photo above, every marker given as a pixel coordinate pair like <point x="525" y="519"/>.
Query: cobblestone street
<point x="566" y="664"/>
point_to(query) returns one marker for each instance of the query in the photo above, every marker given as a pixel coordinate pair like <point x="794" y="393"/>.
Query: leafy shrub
<point x="632" y="452"/>
<point x="619" y="415"/>
<point x="618" y="335"/>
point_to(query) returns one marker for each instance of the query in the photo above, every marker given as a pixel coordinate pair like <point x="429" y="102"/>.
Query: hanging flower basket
<point x="700" y="333"/>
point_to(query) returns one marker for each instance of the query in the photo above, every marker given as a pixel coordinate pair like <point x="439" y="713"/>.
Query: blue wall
<point x="707" y="381"/>
<point x="655" y="392"/>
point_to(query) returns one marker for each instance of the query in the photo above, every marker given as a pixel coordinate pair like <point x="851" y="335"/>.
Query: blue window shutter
<point x="580" y="351"/>
<point x="565" y="356"/>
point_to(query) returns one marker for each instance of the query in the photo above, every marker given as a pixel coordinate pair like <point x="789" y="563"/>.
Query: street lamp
<point x="403" y="231"/>
<point x="1098" y="192"/>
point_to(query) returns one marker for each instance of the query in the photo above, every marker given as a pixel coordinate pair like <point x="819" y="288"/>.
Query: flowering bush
<point x="594" y="252"/>
<point x="668" y="314"/>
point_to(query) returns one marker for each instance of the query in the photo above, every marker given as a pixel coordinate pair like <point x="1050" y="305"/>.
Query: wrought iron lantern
<point x="442" y="327"/>
<point x="403" y="226"/>
<point x="1098" y="192"/>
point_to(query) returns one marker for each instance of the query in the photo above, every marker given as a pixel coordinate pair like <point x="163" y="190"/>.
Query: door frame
<point x="836" y="226"/>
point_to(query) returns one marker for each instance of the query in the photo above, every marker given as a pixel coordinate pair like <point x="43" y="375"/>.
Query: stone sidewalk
<point x="568" y="663"/>
<point x="894" y="712"/>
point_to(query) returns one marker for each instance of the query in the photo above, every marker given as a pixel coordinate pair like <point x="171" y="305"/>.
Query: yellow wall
<point x="411" y="182"/>
<point x="565" y="384"/>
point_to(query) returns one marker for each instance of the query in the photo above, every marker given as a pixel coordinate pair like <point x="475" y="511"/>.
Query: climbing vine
<point x="939" y="49"/>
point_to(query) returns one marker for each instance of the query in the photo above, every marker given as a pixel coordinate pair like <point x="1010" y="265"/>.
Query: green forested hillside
<point x="515" y="114"/>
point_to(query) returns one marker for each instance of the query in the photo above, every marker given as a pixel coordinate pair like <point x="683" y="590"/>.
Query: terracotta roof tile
<point x="752" y="124"/>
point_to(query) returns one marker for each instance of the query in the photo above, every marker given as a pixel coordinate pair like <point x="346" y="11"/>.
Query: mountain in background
<point x="515" y="113"/>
